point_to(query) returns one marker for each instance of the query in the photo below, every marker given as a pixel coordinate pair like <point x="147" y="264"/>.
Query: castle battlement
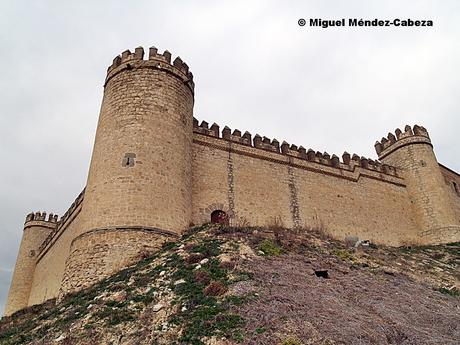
<point x="349" y="162"/>
<point x="62" y="224"/>
<point x="41" y="216"/>
<point x="155" y="171"/>
<point x="128" y="61"/>
<point x="410" y="136"/>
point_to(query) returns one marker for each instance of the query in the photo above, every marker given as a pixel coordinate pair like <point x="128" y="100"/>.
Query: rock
<point x="157" y="307"/>
<point x="60" y="338"/>
<point x="180" y="281"/>
<point x="100" y="296"/>
<point x="260" y="252"/>
<point x="390" y="271"/>
<point x="311" y="271"/>
<point x="182" y="246"/>
<point x="204" y="261"/>
<point x="198" y="267"/>
<point x="162" y="273"/>
<point x="184" y="308"/>
<point x="119" y="296"/>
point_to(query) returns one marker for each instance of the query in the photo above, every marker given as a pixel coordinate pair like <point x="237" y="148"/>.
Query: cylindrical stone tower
<point x="36" y="229"/>
<point x="139" y="183"/>
<point x="412" y="153"/>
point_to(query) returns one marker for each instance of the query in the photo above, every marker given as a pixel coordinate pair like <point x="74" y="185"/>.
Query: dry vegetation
<point x="228" y="285"/>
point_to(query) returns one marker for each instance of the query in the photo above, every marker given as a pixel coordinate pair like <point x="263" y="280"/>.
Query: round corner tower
<point x="36" y="230"/>
<point x="138" y="190"/>
<point x="412" y="153"/>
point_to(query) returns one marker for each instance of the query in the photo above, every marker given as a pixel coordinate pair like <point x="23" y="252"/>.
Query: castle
<point x="155" y="171"/>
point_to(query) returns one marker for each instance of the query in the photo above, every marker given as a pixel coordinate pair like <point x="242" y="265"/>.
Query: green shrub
<point x="343" y="254"/>
<point x="269" y="248"/>
<point x="452" y="292"/>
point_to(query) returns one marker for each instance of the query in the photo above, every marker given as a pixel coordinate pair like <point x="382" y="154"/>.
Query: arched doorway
<point x="219" y="217"/>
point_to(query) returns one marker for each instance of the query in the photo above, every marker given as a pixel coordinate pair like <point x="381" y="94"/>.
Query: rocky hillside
<point x="223" y="285"/>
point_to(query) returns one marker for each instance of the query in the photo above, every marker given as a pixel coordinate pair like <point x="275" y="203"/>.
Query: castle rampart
<point x="155" y="170"/>
<point x="36" y="228"/>
<point x="412" y="153"/>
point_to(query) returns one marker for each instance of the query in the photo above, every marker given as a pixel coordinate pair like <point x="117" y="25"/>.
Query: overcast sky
<point x="255" y="69"/>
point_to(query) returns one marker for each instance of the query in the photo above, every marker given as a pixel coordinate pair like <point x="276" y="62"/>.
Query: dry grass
<point x="215" y="288"/>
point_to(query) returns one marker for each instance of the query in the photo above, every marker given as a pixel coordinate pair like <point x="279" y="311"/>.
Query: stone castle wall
<point x="96" y="254"/>
<point x="452" y="180"/>
<point x="140" y="172"/>
<point x="411" y="152"/>
<point x="36" y="229"/>
<point x="263" y="186"/>
<point x="50" y="266"/>
<point x="155" y="171"/>
<point x="258" y="186"/>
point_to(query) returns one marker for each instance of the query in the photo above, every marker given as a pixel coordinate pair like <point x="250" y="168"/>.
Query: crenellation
<point x="236" y="133"/>
<point x="257" y="141"/>
<point x="247" y="138"/>
<point x="214" y="130"/>
<point x="302" y="152"/>
<point x="226" y="133"/>
<point x="126" y="55"/>
<point x="167" y="56"/>
<point x="153" y="51"/>
<point x="139" y="53"/>
<point x="129" y="60"/>
<point x="178" y="62"/>
<point x="156" y="169"/>
<point x="41" y="216"/>
<point x="392" y="142"/>
<point x="293" y="150"/>
<point x="364" y="163"/>
<point x="285" y="148"/>
<point x="335" y="161"/>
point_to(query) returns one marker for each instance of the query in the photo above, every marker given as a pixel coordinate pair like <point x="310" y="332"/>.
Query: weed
<point x="207" y="248"/>
<point x="168" y="245"/>
<point x="269" y="248"/>
<point x="343" y="254"/>
<point x="206" y="314"/>
<point x="452" y="292"/>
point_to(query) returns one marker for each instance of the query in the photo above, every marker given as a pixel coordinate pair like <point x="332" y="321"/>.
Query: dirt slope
<point x="222" y="285"/>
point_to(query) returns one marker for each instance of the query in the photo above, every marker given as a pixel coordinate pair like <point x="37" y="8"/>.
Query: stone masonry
<point x="155" y="171"/>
